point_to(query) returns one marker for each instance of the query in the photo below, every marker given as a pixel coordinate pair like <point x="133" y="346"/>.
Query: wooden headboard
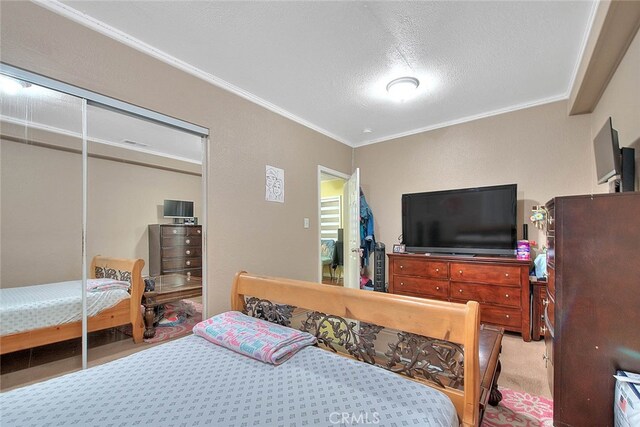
<point x="436" y="325"/>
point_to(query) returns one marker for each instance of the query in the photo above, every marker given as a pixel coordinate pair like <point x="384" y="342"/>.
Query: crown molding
<point x="126" y="39"/>
<point x="441" y="125"/>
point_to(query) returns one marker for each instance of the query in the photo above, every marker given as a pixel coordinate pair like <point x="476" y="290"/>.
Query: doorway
<point x="331" y="221"/>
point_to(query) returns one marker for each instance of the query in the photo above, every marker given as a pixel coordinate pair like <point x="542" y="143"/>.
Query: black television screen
<point x="607" y="152"/>
<point x="178" y="209"/>
<point x="467" y="221"/>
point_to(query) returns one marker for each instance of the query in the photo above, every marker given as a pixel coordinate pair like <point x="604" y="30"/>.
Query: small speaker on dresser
<point x="628" y="169"/>
<point x="525" y="232"/>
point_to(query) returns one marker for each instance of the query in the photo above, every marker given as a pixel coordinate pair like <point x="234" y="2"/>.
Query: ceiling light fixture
<point x="11" y="86"/>
<point x="403" y="88"/>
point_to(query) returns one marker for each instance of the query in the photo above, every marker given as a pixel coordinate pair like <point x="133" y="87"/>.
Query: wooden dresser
<point x="175" y="249"/>
<point x="500" y="285"/>
<point x="538" y="303"/>
<point x="593" y="303"/>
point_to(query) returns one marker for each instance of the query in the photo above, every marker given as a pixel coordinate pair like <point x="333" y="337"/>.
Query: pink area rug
<point x="164" y="333"/>
<point x="519" y="409"/>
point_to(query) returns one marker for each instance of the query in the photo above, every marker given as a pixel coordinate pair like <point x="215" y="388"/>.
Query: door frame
<point x="327" y="171"/>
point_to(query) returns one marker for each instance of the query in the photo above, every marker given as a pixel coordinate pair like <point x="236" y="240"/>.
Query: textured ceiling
<point x="326" y="64"/>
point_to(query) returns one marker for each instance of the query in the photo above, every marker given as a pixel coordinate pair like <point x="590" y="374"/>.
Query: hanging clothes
<point x="367" y="238"/>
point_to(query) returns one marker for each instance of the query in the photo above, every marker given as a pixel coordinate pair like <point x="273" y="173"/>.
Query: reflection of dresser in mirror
<point x="175" y="248"/>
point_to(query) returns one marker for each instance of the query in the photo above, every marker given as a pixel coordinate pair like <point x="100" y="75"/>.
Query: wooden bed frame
<point x="454" y="323"/>
<point x="125" y="312"/>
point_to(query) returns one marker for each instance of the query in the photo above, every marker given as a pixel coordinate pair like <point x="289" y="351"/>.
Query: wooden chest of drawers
<point x="500" y="285"/>
<point x="175" y="249"/>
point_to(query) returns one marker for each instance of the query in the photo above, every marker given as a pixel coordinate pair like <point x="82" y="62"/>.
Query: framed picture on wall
<point x="399" y="248"/>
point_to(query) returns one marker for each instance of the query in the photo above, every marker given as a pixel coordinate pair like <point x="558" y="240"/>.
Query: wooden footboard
<point x="438" y="342"/>
<point x="123" y="313"/>
<point x="115" y="268"/>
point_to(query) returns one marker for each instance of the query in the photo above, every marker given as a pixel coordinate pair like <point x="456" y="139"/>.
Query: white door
<point x="352" y="231"/>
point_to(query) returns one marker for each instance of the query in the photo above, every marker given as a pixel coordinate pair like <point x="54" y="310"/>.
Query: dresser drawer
<point x="180" y="263"/>
<point x="194" y="231"/>
<point x="507" y="317"/>
<point x="551" y="281"/>
<point x="481" y="273"/>
<point x="551" y="250"/>
<point x="181" y="241"/>
<point x="182" y="251"/>
<point x="491" y="294"/>
<point x="173" y="231"/>
<point x="416" y="286"/>
<point x="413" y="267"/>
<point x="550" y="311"/>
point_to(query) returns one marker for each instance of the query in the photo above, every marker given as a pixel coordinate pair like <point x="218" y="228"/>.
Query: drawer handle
<point x="188" y="263"/>
<point x="460" y="290"/>
<point x="401" y="266"/>
<point x="437" y="270"/>
<point x="189" y="274"/>
<point x="187" y="241"/>
<point x="188" y="252"/>
<point x="437" y="288"/>
<point x="199" y="231"/>
<point x="506" y="274"/>
<point x="175" y="231"/>
<point x="460" y="271"/>
<point x="543" y="330"/>
<point x="508" y="316"/>
<point x="401" y="283"/>
<point x="545" y="302"/>
<point x="506" y="296"/>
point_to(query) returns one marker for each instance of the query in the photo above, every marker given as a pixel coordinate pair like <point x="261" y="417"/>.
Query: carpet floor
<point x="519" y="409"/>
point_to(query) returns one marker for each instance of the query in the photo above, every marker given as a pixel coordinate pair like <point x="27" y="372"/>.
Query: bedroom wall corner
<point x="541" y="149"/>
<point x="244" y="231"/>
<point x="621" y="102"/>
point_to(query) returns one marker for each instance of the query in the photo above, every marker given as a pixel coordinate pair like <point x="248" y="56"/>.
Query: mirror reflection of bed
<point x="133" y="166"/>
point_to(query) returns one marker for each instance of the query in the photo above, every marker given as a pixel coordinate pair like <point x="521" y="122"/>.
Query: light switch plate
<point x="306" y="223"/>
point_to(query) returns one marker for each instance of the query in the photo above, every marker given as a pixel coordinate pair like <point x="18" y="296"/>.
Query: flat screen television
<point x="466" y="221"/>
<point x="607" y="152"/>
<point x="178" y="209"/>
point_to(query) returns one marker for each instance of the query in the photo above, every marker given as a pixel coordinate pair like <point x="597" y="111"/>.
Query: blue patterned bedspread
<point x="191" y="382"/>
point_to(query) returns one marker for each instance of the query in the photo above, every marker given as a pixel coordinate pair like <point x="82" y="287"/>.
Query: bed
<point x="32" y="316"/>
<point x="191" y="381"/>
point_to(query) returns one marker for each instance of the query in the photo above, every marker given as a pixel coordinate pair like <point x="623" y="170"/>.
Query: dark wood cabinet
<point x="538" y="302"/>
<point x="499" y="284"/>
<point x="175" y="249"/>
<point x="593" y="303"/>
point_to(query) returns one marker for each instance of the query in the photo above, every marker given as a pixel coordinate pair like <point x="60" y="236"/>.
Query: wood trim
<point x="614" y="27"/>
<point x="123" y="313"/>
<point x="457" y="323"/>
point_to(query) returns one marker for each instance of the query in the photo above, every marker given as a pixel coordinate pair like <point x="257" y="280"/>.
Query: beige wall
<point x="621" y="102"/>
<point x="244" y="231"/>
<point x="541" y="149"/>
<point x="41" y="192"/>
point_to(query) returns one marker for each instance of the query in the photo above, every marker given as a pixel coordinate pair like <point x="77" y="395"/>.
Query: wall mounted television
<point x="470" y="221"/>
<point x="607" y="152"/>
<point x="178" y="209"/>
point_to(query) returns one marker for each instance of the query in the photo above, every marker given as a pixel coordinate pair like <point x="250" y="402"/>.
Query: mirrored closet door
<point x="144" y="206"/>
<point x="103" y="244"/>
<point x="41" y="231"/>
